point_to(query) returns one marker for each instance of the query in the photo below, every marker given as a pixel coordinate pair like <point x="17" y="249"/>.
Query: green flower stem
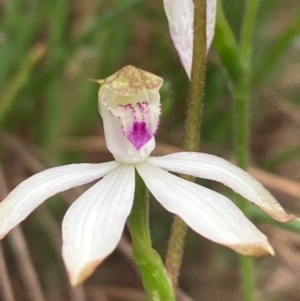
<point x="192" y="130"/>
<point x="176" y="249"/>
<point x="154" y="276"/>
<point x="241" y="94"/>
<point x="227" y="47"/>
<point x="237" y="61"/>
<point x="248" y="32"/>
<point x="241" y="125"/>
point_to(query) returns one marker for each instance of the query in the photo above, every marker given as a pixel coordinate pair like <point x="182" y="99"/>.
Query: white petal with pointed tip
<point x="93" y="225"/>
<point x="180" y="14"/>
<point x="215" y="168"/>
<point x="36" y="189"/>
<point x="205" y="211"/>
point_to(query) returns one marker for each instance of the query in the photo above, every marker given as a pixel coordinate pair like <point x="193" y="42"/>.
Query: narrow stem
<point x="238" y="64"/>
<point x="226" y="45"/>
<point x="241" y="93"/>
<point x="248" y="28"/>
<point x="192" y="131"/>
<point x="154" y="276"/>
<point x="176" y="249"/>
<point x="241" y="96"/>
<point x="138" y="221"/>
<point x="196" y="91"/>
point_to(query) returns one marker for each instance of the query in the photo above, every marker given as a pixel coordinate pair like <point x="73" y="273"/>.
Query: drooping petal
<point x="93" y="225"/>
<point x="215" y="168"/>
<point x="36" y="189"/>
<point x="180" y="14"/>
<point x="205" y="211"/>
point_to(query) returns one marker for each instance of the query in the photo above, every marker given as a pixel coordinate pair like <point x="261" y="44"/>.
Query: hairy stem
<point x="192" y="131"/>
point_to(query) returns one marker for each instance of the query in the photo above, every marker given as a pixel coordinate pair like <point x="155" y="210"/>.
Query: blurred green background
<point x="48" y="113"/>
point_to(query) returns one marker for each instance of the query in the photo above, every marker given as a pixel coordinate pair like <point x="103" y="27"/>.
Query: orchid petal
<point x="215" y="168"/>
<point x="93" y="225"/>
<point x="32" y="192"/>
<point x="205" y="211"/>
<point x="180" y="14"/>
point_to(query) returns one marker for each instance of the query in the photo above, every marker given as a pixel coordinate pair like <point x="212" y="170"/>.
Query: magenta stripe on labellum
<point x="136" y="123"/>
<point x="139" y="135"/>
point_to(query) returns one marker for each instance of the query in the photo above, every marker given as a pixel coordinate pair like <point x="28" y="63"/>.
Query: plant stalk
<point x="192" y="131"/>
<point x="242" y="93"/>
<point x="154" y="276"/>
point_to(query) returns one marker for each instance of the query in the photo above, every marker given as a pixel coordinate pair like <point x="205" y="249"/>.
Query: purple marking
<point x="139" y="135"/>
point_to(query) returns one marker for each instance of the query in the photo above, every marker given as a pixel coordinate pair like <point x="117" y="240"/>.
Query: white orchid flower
<point x="129" y="103"/>
<point x="180" y="14"/>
